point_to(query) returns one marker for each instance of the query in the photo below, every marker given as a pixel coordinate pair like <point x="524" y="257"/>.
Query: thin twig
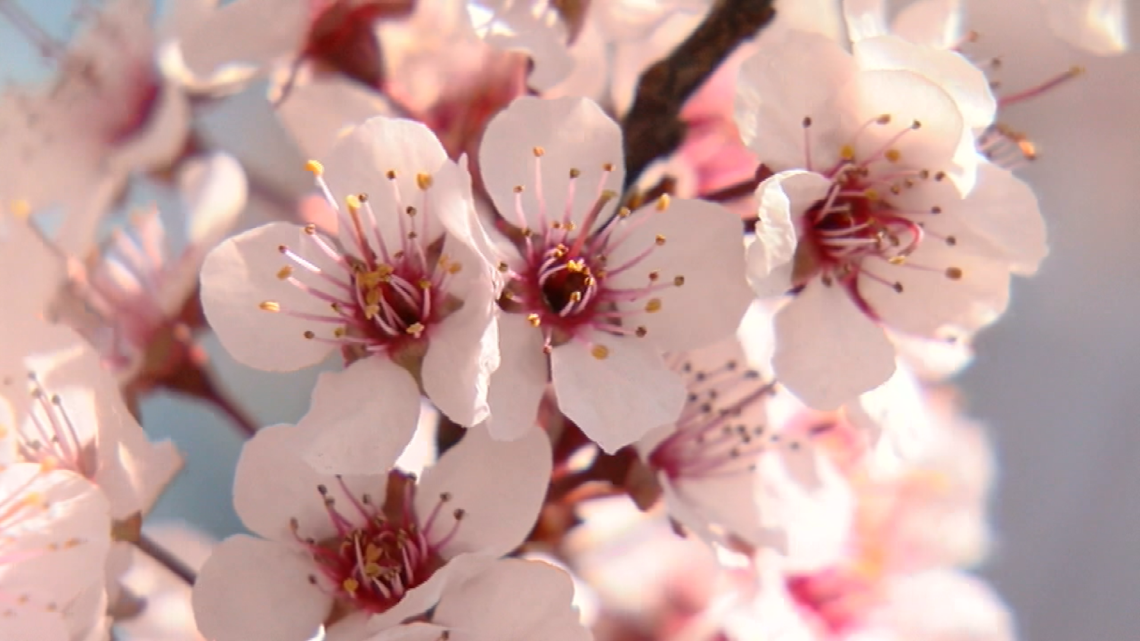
<point x="653" y="127"/>
<point x="166" y="559"/>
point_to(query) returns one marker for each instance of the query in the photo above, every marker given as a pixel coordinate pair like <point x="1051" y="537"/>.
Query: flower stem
<point x="166" y="559"/>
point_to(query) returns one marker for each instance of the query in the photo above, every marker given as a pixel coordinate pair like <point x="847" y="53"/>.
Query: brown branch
<point x="653" y="127"/>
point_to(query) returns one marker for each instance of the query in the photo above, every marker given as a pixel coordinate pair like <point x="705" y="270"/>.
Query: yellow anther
<point x="653" y="305"/>
<point x="391" y="174"/>
<point x="663" y="202"/>
<point x="353" y="202"/>
<point x="659" y="240"/>
<point x="423" y="181"/>
<point x="284" y="272"/>
<point x="538" y="152"/>
<point x="315" y="168"/>
<point x="534" y="320"/>
<point x="269" y="306"/>
<point x="893" y="155"/>
<point x="600" y="352"/>
<point x="350" y="585"/>
<point x="847" y="152"/>
<point x="415" y="329"/>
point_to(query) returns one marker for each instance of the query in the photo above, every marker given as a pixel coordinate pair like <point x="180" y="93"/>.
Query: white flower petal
<point x="517" y="386"/>
<point x="940" y="286"/>
<point x="161" y="138"/>
<point x="827" y="350"/>
<point x="253" y="32"/>
<point x="617" y="399"/>
<point x="239" y="275"/>
<point x="58" y="553"/>
<point x="946" y="605"/>
<point x="573" y="133"/>
<point x="500" y="486"/>
<point x="966" y="83"/>
<point x="907" y="97"/>
<point x="702" y="248"/>
<point x="770" y="256"/>
<point x="320" y="111"/>
<point x="273" y="485"/>
<point x="252" y="589"/>
<point x="463" y="350"/>
<point x="32" y="622"/>
<point x="1003" y="210"/>
<point x="785" y="81"/>
<point x="932" y="23"/>
<point x="513" y="600"/>
<point x="359" y="164"/>
<point x="1097" y="26"/>
<point x="214" y="191"/>
<point x="361" y="418"/>
<point x="865" y="19"/>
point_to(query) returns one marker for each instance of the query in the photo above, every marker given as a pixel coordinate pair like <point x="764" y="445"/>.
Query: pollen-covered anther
<point x="534" y="319"/>
<point x="659" y="240"/>
<point x="954" y="273"/>
<point x="391" y="174"/>
<point x="269" y="306"/>
<point x="538" y="152"/>
<point x="285" y="272"/>
<point x="600" y="352"/>
<point x="662" y="202"/>
<point x="315" y="167"/>
<point x="574" y="172"/>
<point x="415" y="329"/>
<point x="893" y="155"/>
<point x="653" y="305"/>
<point x="423" y="180"/>
<point x="678" y="280"/>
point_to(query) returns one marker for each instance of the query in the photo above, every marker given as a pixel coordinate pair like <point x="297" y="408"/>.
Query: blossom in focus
<point x="595" y="292"/>
<point x="54" y="537"/>
<point x="108" y="111"/>
<point x="402" y="284"/>
<point x="864" y="226"/>
<point x="362" y="554"/>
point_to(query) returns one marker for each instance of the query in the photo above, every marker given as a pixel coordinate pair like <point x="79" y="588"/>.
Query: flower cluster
<point x="635" y="317"/>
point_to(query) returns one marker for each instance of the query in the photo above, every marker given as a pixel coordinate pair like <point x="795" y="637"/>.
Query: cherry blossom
<point x="364" y="553"/>
<point x="402" y="283"/>
<point x="872" y="233"/>
<point x="436" y="70"/>
<point x="130" y="300"/>
<point x="67" y="414"/>
<point x="597" y="290"/>
<point x="712" y="463"/>
<point x="251" y="38"/>
<point x="54" y="536"/>
<point x="108" y="111"/>
<point x="910" y="529"/>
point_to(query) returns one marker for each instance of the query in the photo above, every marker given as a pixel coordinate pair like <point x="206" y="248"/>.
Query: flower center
<point x="380" y="553"/>
<point x="382" y="295"/>
<point x="714" y="436"/>
<point x="563" y="281"/>
<point x="855" y="230"/>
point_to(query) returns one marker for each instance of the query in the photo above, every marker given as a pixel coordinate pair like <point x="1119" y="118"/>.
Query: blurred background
<point x="1057" y="380"/>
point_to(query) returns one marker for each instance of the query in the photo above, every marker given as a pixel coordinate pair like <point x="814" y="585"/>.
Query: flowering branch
<point x="653" y="128"/>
